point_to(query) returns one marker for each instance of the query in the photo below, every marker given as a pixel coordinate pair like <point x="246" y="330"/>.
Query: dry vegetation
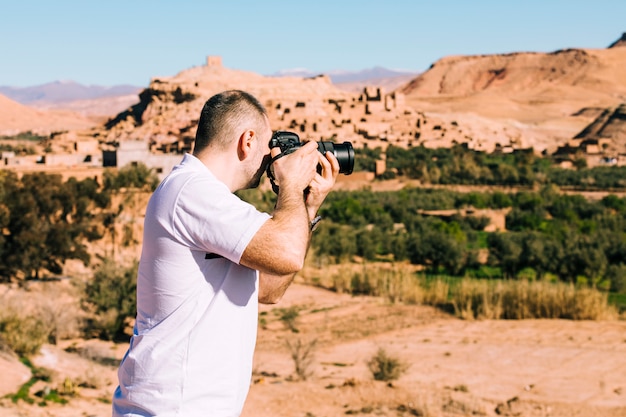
<point x="330" y="353"/>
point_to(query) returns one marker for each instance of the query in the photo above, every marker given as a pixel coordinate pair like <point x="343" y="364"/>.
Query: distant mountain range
<point x="340" y="76"/>
<point x="355" y="81"/>
<point x="59" y="92"/>
<point x="64" y="92"/>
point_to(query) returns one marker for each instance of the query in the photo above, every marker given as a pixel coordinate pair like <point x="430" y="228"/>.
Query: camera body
<point x="288" y="142"/>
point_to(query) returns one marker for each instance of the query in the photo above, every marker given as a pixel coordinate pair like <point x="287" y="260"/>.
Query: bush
<point x="45" y="313"/>
<point x="111" y="295"/>
<point x="24" y="335"/>
<point x="617" y="276"/>
<point x="131" y="176"/>
<point x="302" y="354"/>
<point x="385" y="367"/>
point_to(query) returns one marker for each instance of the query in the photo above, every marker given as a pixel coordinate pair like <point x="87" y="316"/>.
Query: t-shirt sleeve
<point x="208" y="217"/>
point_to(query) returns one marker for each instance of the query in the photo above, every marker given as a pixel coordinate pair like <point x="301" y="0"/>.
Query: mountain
<point x="16" y="118"/>
<point x="95" y="102"/>
<point x="540" y="93"/>
<point x="355" y="81"/>
<point x="341" y="76"/>
<point x="64" y="92"/>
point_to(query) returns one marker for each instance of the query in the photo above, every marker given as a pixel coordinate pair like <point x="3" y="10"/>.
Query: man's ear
<point x="244" y="145"/>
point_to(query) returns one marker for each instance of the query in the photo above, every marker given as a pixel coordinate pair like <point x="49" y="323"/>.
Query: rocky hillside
<point x="169" y="108"/>
<point x="540" y="93"/>
<point x="554" y="83"/>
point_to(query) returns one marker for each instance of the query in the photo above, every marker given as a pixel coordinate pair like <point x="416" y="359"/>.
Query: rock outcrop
<point x="620" y="42"/>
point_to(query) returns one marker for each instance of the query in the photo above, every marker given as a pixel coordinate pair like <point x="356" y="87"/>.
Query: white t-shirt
<point x="194" y="337"/>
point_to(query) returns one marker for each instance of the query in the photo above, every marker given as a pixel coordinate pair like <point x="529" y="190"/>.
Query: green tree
<point x="540" y="252"/>
<point x="436" y="249"/>
<point x="335" y="241"/>
<point x="583" y="255"/>
<point x="505" y="251"/>
<point x="616" y="274"/>
<point x="48" y="222"/>
<point x="130" y="176"/>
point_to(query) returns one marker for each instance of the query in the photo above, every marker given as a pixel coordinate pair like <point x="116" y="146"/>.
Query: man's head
<point x="234" y="124"/>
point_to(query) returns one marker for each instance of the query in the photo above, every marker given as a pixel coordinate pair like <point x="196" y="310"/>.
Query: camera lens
<point x="344" y="152"/>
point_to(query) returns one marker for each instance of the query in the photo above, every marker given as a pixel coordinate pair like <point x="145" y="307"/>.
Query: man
<point x="208" y="258"/>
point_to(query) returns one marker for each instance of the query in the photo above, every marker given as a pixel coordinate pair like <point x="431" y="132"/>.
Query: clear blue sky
<point x="127" y="42"/>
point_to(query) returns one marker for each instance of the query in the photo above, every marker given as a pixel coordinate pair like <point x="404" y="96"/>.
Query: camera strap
<point x="270" y="173"/>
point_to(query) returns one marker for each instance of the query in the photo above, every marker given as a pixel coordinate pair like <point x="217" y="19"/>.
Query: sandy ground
<point x="455" y="367"/>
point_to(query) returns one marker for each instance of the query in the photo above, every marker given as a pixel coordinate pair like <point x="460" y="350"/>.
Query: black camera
<point x="289" y="142"/>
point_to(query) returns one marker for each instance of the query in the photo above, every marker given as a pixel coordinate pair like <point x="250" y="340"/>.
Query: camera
<point x="288" y="142"/>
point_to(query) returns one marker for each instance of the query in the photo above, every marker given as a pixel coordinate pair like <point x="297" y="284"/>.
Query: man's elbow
<point x="288" y="265"/>
<point x="272" y="291"/>
<point x="292" y="266"/>
<point x="270" y="298"/>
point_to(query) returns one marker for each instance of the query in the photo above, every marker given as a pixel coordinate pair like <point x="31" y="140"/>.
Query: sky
<point x="114" y="42"/>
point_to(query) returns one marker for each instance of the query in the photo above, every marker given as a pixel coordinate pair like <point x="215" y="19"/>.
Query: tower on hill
<point x="213" y="61"/>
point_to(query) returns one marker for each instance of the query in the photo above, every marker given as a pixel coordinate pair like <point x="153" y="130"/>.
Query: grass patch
<point x="44" y="396"/>
<point x="485" y="272"/>
<point x="473" y="298"/>
<point x="482" y="299"/>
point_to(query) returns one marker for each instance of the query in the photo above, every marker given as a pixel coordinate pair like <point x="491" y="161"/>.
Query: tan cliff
<point x="541" y="94"/>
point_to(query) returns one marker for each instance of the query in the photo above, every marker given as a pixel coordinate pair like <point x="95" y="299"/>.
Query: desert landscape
<point x="316" y="363"/>
<point x="548" y="368"/>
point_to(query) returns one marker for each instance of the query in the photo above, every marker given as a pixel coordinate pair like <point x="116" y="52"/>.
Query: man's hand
<point x="295" y="171"/>
<point x="322" y="183"/>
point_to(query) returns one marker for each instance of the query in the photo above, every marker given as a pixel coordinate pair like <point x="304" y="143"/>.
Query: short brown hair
<point x="225" y="116"/>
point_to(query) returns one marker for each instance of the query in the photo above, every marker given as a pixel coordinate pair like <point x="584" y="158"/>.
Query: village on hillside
<point x="158" y="129"/>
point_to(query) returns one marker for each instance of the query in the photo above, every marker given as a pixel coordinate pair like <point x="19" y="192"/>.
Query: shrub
<point x="111" y="295"/>
<point x="131" y="176"/>
<point x="302" y="354"/>
<point x="385" y="367"/>
<point x="617" y="277"/>
<point x="24" y="335"/>
<point x="43" y="314"/>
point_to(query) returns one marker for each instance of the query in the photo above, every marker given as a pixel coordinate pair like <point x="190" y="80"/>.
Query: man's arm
<point x="279" y="248"/>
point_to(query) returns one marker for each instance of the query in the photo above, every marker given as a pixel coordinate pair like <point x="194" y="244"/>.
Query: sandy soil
<point x="455" y="367"/>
